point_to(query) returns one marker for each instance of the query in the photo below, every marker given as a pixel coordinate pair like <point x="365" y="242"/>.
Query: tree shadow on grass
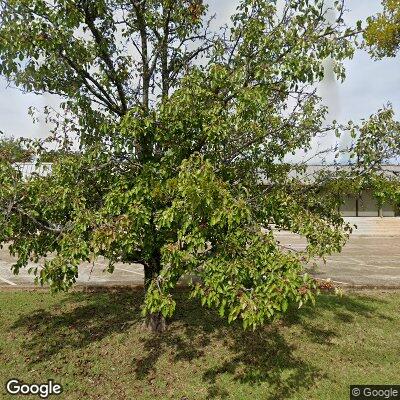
<point x="261" y="357"/>
<point x="77" y="321"/>
<point x="344" y="308"/>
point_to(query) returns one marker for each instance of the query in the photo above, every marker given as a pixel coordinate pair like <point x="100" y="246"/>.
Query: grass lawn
<point x="93" y="344"/>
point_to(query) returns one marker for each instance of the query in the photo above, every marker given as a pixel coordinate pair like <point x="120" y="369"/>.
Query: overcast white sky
<point x="369" y="84"/>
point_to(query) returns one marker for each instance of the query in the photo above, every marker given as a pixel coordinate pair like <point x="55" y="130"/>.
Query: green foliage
<point x="375" y="142"/>
<point x="382" y="34"/>
<point x="13" y="150"/>
<point x="181" y="165"/>
<point x="383" y="187"/>
<point x="378" y="139"/>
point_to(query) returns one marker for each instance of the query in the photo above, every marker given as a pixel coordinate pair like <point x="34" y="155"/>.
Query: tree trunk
<point x="154" y="322"/>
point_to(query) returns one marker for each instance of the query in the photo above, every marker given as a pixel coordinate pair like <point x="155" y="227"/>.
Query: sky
<point x="369" y="85"/>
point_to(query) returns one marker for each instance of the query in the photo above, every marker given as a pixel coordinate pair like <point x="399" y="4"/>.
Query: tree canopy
<point x="13" y="150"/>
<point x="184" y="134"/>
<point x="383" y="31"/>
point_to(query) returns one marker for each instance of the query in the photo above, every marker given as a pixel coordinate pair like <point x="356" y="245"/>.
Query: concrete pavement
<point x="89" y="274"/>
<point x="371" y="258"/>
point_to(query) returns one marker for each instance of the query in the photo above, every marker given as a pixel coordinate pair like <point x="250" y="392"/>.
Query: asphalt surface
<point x="371" y="261"/>
<point x="89" y="274"/>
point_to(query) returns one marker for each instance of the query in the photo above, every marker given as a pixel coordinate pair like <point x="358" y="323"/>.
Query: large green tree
<point x="183" y="136"/>
<point x="382" y="34"/>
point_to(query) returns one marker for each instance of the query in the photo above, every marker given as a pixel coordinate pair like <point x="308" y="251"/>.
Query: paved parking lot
<point x="92" y="275"/>
<point x="365" y="261"/>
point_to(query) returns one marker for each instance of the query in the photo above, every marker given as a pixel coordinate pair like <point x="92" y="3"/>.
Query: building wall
<point x="348" y="209"/>
<point x="31" y="169"/>
<point x="389" y="211"/>
<point x="366" y="206"/>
